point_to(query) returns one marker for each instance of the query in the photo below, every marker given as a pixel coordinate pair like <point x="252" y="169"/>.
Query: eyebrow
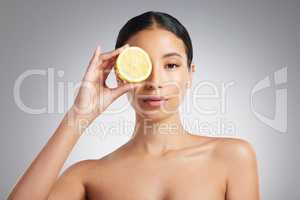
<point x="171" y="54"/>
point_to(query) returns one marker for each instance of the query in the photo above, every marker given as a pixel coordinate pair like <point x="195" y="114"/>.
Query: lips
<point x="153" y="101"/>
<point x="154" y="98"/>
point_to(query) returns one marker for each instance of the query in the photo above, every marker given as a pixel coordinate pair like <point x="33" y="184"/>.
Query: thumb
<point x="118" y="91"/>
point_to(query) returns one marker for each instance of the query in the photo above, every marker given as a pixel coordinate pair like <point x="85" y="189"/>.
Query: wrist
<point x="79" y="120"/>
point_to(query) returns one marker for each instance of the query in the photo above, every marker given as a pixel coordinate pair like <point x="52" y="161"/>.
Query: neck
<point x="159" y="136"/>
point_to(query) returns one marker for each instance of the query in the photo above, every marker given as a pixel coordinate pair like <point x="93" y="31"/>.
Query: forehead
<point x="157" y="42"/>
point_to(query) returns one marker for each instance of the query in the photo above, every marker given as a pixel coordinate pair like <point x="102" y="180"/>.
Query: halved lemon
<point x="133" y="64"/>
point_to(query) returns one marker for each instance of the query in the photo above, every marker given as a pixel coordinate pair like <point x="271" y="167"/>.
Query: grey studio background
<point x="251" y="48"/>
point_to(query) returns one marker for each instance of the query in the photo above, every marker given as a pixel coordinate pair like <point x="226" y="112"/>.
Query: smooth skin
<point x="156" y="163"/>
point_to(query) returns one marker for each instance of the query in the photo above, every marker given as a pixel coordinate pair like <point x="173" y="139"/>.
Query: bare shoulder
<point x="71" y="183"/>
<point x="235" y="148"/>
<point x="236" y="152"/>
<point x="228" y="149"/>
<point x="83" y="170"/>
<point x="78" y="170"/>
<point x="88" y="165"/>
<point x="86" y="168"/>
<point x="239" y="158"/>
<point x="82" y="166"/>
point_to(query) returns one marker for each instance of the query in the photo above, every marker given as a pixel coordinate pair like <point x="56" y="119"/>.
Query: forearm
<point x="38" y="179"/>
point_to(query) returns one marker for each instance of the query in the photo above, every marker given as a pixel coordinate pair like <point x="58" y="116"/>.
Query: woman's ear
<point x="191" y="70"/>
<point x="193" y="67"/>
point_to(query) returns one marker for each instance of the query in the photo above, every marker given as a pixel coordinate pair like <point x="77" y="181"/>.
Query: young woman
<point x="161" y="161"/>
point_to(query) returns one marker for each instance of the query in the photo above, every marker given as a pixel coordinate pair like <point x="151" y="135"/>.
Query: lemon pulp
<point x="133" y="64"/>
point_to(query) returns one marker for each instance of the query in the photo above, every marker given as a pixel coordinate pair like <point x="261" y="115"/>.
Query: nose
<point x="152" y="86"/>
<point x="154" y="80"/>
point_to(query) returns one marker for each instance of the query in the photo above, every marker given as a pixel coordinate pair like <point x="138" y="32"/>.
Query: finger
<point x="113" y="53"/>
<point x="94" y="62"/>
<point x="107" y="64"/>
<point x="96" y="55"/>
<point x="107" y="68"/>
<point x="90" y="70"/>
<point x="118" y="91"/>
<point x="110" y="58"/>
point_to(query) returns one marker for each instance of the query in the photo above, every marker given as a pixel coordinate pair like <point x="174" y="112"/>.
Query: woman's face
<point x="170" y="75"/>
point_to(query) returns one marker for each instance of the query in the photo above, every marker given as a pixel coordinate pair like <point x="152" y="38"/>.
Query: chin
<point x="154" y="117"/>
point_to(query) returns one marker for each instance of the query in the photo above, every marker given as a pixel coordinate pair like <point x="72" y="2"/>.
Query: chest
<point x="169" y="182"/>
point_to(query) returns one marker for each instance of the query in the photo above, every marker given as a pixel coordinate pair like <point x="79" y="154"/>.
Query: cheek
<point x="177" y="89"/>
<point x="177" y="86"/>
<point x="177" y="92"/>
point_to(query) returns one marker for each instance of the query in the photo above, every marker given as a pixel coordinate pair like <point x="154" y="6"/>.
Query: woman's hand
<point x="94" y="96"/>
